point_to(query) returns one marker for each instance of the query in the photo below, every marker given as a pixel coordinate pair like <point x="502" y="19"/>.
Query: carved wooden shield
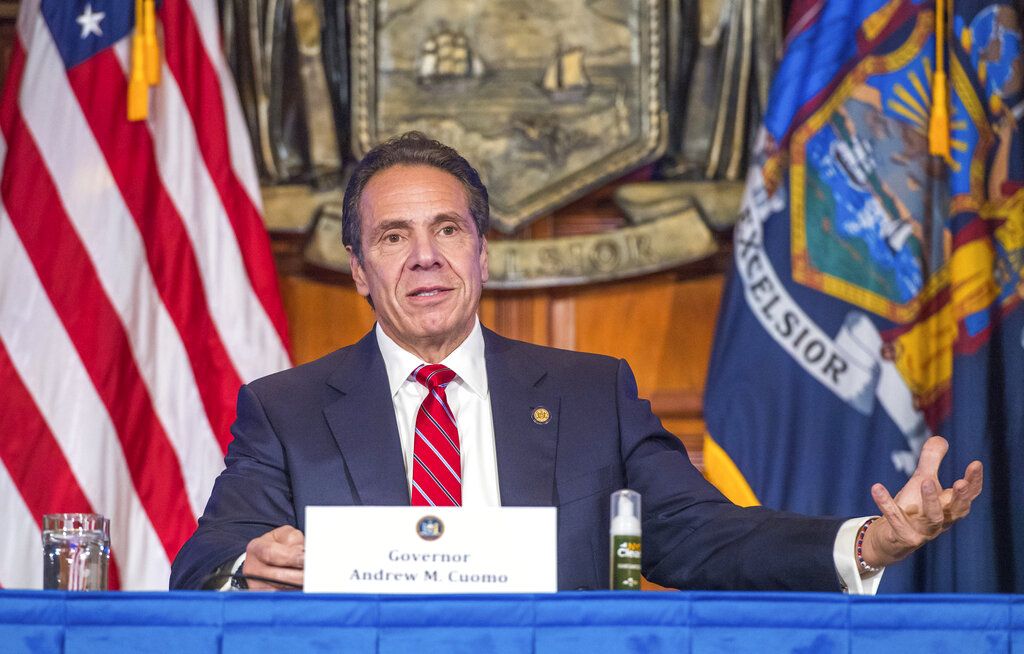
<point x="546" y="99"/>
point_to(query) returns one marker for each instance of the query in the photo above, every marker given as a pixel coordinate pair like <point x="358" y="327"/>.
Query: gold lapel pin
<point x="541" y="415"/>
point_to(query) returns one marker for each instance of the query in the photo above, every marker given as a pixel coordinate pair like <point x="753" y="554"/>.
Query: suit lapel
<point x="525" y="446"/>
<point x="362" y="420"/>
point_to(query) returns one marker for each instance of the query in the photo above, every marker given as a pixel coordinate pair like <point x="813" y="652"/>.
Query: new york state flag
<point x="876" y="293"/>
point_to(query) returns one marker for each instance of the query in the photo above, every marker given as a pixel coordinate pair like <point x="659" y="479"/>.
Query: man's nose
<point x="424" y="252"/>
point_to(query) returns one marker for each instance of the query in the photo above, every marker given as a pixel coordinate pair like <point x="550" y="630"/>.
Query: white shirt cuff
<point x="844" y="555"/>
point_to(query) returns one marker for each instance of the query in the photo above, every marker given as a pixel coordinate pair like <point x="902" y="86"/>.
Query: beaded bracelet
<point x="860" y="541"/>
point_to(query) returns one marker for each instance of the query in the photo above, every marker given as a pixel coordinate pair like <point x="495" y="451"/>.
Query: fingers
<point x="289" y="535"/>
<point x="902" y="532"/>
<point x="262" y="578"/>
<point x="286" y="578"/>
<point x="283" y="547"/>
<point x="880" y="494"/>
<point x="974" y="477"/>
<point x="279" y="555"/>
<point x="894" y="515"/>
<point x="931" y="456"/>
<point x="931" y="508"/>
<point x="964" y="492"/>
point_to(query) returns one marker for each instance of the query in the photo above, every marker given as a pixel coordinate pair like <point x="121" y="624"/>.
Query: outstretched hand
<point x="921" y="510"/>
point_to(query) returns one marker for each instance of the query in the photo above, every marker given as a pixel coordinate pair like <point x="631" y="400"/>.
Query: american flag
<point x="137" y="286"/>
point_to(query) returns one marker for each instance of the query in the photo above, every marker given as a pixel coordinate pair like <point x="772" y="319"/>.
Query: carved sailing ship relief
<point x="447" y="57"/>
<point x="565" y="81"/>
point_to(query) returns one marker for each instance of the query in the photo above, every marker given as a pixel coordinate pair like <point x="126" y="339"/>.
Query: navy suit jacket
<point x="324" y="433"/>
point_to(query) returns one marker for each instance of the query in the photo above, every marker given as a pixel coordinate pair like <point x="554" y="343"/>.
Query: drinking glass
<point x="76" y="551"/>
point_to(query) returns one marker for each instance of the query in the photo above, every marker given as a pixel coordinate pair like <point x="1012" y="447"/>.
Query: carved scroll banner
<point x="625" y="252"/>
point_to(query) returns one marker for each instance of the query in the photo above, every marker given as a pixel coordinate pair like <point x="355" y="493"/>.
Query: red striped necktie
<point x="437" y="464"/>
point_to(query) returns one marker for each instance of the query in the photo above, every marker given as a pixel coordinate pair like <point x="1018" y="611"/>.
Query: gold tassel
<point x="152" y="47"/>
<point x="938" y="125"/>
<point x="138" y="88"/>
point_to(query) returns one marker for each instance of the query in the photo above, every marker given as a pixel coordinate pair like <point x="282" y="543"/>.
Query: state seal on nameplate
<point x="429" y="528"/>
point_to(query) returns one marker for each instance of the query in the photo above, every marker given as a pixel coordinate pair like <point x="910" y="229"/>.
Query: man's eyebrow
<point x="387" y="225"/>
<point x="399" y="223"/>
<point x="449" y="215"/>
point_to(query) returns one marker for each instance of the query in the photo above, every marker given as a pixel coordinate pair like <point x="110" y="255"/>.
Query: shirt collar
<point x="467" y="360"/>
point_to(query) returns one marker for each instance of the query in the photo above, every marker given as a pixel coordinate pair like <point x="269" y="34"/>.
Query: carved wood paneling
<point x="322" y="317"/>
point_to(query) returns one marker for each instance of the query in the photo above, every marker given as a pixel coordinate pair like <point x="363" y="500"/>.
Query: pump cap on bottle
<point x="625" y="513"/>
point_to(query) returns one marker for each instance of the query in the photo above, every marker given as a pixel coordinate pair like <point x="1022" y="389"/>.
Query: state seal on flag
<point x="879" y="222"/>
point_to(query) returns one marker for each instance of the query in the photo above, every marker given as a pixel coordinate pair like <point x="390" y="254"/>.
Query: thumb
<point x="932" y="453"/>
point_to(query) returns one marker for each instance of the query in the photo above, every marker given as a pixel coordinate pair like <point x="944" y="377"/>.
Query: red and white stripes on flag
<point x="137" y="288"/>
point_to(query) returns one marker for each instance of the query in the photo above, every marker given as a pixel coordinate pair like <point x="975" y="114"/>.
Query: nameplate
<point x="402" y="549"/>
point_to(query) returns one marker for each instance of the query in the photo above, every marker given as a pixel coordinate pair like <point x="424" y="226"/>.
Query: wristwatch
<point x="238" y="582"/>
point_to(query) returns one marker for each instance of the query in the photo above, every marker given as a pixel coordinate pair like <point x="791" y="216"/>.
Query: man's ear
<point x="358" y="274"/>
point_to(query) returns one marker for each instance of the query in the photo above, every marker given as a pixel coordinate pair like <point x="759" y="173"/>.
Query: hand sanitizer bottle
<point x="625" y="540"/>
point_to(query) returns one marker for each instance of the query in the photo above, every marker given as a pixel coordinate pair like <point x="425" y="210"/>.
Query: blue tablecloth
<point x="696" y="623"/>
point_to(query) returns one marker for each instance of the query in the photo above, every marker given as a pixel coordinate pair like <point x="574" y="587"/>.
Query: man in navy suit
<point x="538" y="426"/>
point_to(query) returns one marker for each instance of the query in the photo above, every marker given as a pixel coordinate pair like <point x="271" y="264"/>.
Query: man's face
<point x="423" y="263"/>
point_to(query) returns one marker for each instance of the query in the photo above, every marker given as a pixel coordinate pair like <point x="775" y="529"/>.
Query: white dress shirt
<point x="470" y="402"/>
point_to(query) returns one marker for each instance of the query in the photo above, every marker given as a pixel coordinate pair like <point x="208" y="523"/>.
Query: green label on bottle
<point x="625" y="567"/>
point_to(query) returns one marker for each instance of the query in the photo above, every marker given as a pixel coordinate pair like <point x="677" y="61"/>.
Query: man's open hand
<point x="921" y="510"/>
